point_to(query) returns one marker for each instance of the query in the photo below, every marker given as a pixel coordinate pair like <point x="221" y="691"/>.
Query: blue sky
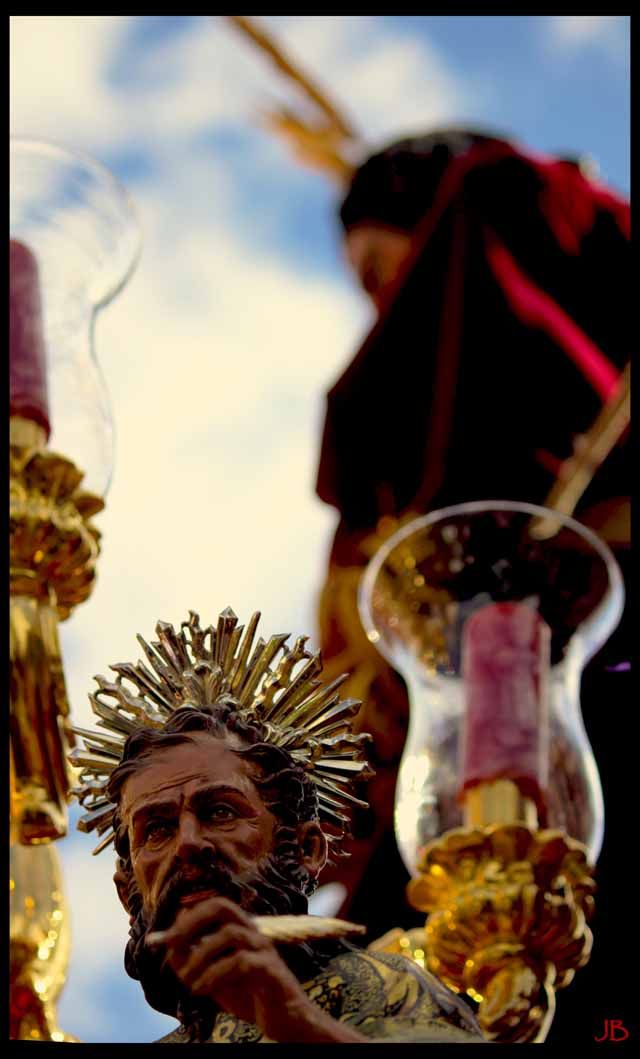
<point x="241" y="314"/>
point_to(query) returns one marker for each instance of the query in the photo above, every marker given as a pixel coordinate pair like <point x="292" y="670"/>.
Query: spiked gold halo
<point x="195" y="667"/>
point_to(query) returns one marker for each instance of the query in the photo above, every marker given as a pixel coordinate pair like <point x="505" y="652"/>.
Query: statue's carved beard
<point x="274" y="888"/>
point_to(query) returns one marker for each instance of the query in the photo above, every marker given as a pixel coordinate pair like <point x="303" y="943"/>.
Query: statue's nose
<point x="189" y="837"/>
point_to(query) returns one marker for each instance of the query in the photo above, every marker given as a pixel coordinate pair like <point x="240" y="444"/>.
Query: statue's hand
<point x="216" y="951"/>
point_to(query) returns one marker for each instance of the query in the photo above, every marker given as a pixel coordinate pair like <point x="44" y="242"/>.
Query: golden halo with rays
<point x="194" y="668"/>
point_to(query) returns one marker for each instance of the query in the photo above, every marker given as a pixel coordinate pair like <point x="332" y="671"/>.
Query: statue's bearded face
<point x="197" y="826"/>
<point x="199" y="823"/>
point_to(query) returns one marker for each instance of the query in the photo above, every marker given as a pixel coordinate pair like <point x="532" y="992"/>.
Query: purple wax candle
<point x="27" y="356"/>
<point x="505" y="667"/>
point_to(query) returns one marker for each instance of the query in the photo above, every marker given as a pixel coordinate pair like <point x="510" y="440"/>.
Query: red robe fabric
<point x="509" y="329"/>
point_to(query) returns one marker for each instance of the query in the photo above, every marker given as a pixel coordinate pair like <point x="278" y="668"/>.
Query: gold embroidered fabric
<point x="382" y="996"/>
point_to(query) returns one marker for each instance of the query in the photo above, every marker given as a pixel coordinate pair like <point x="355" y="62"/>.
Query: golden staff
<point x="590" y="453"/>
<point x="324" y="145"/>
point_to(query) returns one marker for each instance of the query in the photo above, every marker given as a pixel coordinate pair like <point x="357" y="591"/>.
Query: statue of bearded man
<point x="219" y="816"/>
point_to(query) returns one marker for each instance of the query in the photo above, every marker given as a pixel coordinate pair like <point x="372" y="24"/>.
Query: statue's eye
<point x="221" y="813"/>
<point x="156" y="832"/>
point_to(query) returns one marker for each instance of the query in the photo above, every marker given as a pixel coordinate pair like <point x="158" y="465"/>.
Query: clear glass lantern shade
<point x="416" y="597"/>
<point x="77" y="220"/>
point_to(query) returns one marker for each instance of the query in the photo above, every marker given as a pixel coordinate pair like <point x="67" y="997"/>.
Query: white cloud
<point x="573" y="33"/>
<point x="175" y="87"/>
<point x="57" y="88"/>
<point x="208" y="74"/>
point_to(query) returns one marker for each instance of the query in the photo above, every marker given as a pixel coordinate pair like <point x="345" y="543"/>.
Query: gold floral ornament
<point x="54" y="544"/>
<point x="508" y="909"/>
<point x="195" y="667"/>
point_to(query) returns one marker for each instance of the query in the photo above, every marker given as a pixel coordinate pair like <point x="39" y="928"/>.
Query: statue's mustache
<point x="205" y="872"/>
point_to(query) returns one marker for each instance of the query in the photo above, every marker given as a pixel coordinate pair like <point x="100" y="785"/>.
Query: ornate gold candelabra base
<point x="508" y="907"/>
<point x="39" y="943"/>
<point x="54" y="548"/>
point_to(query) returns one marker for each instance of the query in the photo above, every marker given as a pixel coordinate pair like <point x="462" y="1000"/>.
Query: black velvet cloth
<point x="394" y="186"/>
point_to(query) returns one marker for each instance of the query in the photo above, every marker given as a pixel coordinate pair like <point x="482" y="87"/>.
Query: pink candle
<point x="27" y="357"/>
<point x="505" y="667"/>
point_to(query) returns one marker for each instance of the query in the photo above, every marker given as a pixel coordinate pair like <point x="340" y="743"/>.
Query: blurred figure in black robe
<point x="500" y="280"/>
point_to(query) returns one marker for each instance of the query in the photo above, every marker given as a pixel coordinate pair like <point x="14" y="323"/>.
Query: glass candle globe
<point x="430" y="597"/>
<point x="69" y="214"/>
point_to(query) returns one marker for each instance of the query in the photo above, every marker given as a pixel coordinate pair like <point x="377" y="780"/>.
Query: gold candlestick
<point x="74" y="241"/>
<point x="508" y="907"/>
<point x="508" y="900"/>
<point x="54" y="549"/>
